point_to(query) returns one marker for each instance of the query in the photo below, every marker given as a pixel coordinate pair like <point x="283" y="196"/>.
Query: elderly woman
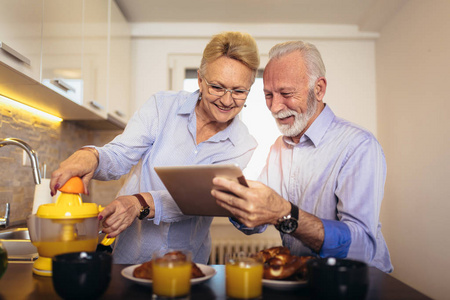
<point x="172" y="128"/>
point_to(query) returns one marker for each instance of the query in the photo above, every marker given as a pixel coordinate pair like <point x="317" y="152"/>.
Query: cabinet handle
<point x="96" y="105"/>
<point x="14" y="53"/>
<point x="119" y="113"/>
<point x="63" y="85"/>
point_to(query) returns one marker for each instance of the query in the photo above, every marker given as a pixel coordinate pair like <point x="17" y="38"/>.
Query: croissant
<point x="280" y="264"/>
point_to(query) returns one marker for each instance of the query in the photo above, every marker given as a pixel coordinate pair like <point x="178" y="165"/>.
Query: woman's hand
<point x="122" y="212"/>
<point x="82" y="163"/>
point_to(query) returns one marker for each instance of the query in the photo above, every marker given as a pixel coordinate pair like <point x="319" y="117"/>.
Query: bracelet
<point x="92" y="150"/>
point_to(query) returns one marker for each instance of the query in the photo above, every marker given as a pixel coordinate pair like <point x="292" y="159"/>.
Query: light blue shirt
<point x="336" y="172"/>
<point x="163" y="133"/>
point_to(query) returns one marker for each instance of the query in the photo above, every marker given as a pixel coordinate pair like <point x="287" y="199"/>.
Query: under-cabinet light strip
<point x="30" y="109"/>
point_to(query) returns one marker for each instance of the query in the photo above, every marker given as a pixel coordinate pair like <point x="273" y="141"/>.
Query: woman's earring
<point x="245" y="105"/>
<point x="199" y="96"/>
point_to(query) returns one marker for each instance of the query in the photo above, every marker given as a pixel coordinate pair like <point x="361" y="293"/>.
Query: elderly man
<point x="323" y="182"/>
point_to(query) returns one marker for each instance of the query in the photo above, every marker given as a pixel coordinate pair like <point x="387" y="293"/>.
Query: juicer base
<point x="43" y="266"/>
<point x="42" y="272"/>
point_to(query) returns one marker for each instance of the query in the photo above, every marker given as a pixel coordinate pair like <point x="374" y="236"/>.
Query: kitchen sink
<point x="15" y="234"/>
<point x="18" y="245"/>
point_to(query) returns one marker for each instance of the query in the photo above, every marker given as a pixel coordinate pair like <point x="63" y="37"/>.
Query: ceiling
<point x="369" y="15"/>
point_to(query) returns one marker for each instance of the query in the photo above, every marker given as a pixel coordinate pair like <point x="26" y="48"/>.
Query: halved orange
<point x="73" y="186"/>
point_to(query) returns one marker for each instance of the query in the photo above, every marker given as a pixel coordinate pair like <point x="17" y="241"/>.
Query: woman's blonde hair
<point x="233" y="44"/>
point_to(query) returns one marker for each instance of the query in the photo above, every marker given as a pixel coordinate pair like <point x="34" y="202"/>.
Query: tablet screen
<point x="190" y="186"/>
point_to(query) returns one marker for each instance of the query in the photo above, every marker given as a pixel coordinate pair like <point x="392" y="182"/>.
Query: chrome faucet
<point x="4" y="222"/>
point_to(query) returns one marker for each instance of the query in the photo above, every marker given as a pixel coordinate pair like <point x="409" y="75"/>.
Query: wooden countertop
<point x="20" y="283"/>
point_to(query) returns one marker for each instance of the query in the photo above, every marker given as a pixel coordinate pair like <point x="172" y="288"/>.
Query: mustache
<point x="284" y="114"/>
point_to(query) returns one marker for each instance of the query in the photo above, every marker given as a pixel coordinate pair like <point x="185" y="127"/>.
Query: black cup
<point x="331" y="278"/>
<point x="81" y="275"/>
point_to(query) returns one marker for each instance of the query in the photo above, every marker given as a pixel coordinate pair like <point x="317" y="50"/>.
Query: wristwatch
<point x="288" y="224"/>
<point x="145" y="209"/>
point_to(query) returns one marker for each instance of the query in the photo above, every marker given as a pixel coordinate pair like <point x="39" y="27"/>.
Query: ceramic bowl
<point x="332" y="278"/>
<point x="81" y="275"/>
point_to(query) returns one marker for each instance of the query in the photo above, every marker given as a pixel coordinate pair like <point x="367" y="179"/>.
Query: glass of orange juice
<point x="243" y="275"/>
<point x="171" y="274"/>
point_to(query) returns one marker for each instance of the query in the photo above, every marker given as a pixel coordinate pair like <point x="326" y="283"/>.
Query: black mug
<point x="332" y="278"/>
<point x="81" y="275"/>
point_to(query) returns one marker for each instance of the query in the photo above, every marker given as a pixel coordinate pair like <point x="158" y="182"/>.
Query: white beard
<point x="300" y="120"/>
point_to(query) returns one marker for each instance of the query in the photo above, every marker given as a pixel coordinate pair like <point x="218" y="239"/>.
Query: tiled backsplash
<point x="53" y="142"/>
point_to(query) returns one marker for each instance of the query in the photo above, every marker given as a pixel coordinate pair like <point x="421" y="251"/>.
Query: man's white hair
<point x="313" y="60"/>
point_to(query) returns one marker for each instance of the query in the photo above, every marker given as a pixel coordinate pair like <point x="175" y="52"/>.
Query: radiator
<point x="221" y="247"/>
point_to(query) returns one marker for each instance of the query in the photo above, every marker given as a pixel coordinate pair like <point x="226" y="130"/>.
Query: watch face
<point x="144" y="212"/>
<point x="288" y="225"/>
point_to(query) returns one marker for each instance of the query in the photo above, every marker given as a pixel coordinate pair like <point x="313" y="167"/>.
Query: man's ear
<point x="320" y="88"/>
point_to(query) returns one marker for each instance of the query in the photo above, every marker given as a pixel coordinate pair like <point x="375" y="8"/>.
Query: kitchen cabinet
<point x="20" y="38"/>
<point x="62" y="46"/>
<point x="95" y="56"/>
<point x="119" y="66"/>
<point x="70" y="58"/>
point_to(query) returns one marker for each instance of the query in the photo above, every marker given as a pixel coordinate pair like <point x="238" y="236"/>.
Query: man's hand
<point x="258" y="205"/>
<point x="253" y="206"/>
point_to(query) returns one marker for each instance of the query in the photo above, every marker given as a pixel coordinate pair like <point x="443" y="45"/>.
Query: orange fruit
<point x="73" y="186"/>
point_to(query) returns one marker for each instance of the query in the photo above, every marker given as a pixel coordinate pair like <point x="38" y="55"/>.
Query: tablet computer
<point x="190" y="187"/>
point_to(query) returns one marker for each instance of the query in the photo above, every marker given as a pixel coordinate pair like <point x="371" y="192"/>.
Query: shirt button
<point x="195" y="151"/>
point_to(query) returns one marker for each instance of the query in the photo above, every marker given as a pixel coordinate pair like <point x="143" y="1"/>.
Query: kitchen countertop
<point x="20" y="283"/>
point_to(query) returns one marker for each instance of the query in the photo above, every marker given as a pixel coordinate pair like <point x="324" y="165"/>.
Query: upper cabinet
<point x="95" y="56"/>
<point x="20" y="37"/>
<point x="70" y="58"/>
<point x="119" y="66"/>
<point x="62" y="48"/>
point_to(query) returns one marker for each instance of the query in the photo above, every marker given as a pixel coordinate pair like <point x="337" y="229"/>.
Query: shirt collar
<point x="317" y="129"/>
<point x="189" y="106"/>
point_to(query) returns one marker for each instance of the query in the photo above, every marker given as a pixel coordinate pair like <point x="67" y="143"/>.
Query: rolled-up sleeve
<point x="337" y="239"/>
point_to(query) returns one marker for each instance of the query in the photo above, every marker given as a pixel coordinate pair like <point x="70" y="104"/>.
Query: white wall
<point x="413" y="71"/>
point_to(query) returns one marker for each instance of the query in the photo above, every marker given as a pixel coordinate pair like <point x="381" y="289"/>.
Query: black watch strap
<point x="145" y="209"/>
<point x="294" y="211"/>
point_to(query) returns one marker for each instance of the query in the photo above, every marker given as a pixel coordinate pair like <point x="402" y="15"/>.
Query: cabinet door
<point x="20" y="36"/>
<point x="119" y="66"/>
<point x="62" y="44"/>
<point x="95" y="56"/>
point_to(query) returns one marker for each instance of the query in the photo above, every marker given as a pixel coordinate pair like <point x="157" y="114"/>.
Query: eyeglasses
<point x="217" y="90"/>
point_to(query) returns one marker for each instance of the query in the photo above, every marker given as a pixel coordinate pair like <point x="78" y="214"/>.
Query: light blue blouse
<point x="163" y="133"/>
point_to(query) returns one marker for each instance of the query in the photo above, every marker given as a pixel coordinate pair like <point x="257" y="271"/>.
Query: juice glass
<point x="171" y="274"/>
<point x="243" y="273"/>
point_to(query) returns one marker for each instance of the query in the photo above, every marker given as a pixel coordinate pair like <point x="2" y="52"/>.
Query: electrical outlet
<point x="26" y="159"/>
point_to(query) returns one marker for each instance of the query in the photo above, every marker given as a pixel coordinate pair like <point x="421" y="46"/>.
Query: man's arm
<point x="259" y="205"/>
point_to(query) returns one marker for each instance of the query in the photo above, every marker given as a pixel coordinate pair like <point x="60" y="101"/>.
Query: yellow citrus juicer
<point x="69" y="225"/>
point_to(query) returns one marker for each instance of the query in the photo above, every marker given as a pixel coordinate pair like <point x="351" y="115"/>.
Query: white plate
<point x="207" y="270"/>
<point x="283" y="284"/>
